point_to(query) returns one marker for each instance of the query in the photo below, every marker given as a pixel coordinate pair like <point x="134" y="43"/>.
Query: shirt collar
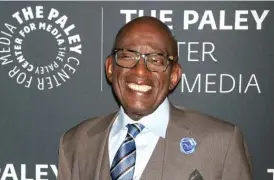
<point x="156" y="122"/>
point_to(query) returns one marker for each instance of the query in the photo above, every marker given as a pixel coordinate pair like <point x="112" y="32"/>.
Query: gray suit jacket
<point x="221" y="152"/>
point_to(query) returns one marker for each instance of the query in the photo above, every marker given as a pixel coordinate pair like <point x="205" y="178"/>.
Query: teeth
<point x="141" y="88"/>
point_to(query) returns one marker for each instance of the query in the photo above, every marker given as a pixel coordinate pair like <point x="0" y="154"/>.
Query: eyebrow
<point x="133" y="50"/>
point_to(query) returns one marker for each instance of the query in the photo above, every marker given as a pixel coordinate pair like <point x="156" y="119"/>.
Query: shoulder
<point x="201" y="122"/>
<point x="210" y="130"/>
<point x="75" y="134"/>
<point x="218" y="138"/>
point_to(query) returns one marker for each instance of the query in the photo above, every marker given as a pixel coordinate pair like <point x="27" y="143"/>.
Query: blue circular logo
<point x="187" y="145"/>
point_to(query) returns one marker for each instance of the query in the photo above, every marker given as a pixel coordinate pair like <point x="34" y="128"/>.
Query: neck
<point x="134" y="116"/>
<point x="137" y="116"/>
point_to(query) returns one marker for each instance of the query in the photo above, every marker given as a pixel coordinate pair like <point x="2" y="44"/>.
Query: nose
<point x="141" y="68"/>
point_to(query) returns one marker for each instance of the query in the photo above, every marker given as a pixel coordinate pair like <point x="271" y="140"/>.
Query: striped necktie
<point x="123" y="164"/>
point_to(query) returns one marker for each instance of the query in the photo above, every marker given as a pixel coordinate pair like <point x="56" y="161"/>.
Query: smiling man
<point x="148" y="138"/>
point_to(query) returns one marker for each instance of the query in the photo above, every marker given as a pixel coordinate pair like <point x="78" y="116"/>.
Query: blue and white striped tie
<point x="123" y="164"/>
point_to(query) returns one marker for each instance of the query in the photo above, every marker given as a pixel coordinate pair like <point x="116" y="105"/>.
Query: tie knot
<point x="134" y="129"/>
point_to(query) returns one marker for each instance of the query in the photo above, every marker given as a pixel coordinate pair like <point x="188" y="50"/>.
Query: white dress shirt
<point x="155" y="126"/>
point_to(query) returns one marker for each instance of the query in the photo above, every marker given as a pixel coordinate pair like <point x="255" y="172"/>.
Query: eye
<point x="125" y="55"/>
<point x="156" y="60"/>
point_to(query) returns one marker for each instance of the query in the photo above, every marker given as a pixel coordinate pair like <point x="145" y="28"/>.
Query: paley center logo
<point x="40" y="47"/>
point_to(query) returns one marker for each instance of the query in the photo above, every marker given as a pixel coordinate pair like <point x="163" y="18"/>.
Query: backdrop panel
<point x="52" y="76"/>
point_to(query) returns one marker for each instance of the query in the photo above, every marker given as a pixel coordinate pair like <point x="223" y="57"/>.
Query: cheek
<point x="163" y="84"/>
<point x="117" y="81"/>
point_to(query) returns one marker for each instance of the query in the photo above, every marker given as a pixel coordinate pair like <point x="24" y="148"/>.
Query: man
<point x="149" y="138"/>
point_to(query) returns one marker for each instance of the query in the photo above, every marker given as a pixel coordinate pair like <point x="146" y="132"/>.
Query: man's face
<point x="139" y="90"/>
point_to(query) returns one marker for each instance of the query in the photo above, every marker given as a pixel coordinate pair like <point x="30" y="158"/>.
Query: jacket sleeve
<point x="237" y="164"/>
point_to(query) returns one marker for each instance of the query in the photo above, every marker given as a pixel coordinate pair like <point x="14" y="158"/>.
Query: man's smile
<point x="139" y="87"/>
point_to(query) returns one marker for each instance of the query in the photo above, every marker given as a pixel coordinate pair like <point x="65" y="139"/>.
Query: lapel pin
<point x="187" y="145"/>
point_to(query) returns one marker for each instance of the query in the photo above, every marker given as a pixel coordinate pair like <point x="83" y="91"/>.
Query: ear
<point x="109" y="68"/>
<point x="175" y="76"/>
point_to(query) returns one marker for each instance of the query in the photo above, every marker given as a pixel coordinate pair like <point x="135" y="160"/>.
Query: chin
<point x="138" y="109"/>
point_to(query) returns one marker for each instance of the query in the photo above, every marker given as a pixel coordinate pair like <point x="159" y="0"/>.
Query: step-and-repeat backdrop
<point x="52" y="76"/>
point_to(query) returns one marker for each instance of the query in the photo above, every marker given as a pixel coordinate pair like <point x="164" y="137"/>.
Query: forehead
<point x="145" y="37"/>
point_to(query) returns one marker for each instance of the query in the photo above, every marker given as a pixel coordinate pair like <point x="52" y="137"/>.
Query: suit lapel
<point x="166" y="159"/>
<point x="93" y="159"/>
<point x="175" y="161"/>
<point x="177" y="164"/>
<point x="154" y="167"/>
<point x="105" y="166"/>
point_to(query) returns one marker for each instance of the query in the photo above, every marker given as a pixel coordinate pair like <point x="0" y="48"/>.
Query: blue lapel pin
<point x="188" y="145"/>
